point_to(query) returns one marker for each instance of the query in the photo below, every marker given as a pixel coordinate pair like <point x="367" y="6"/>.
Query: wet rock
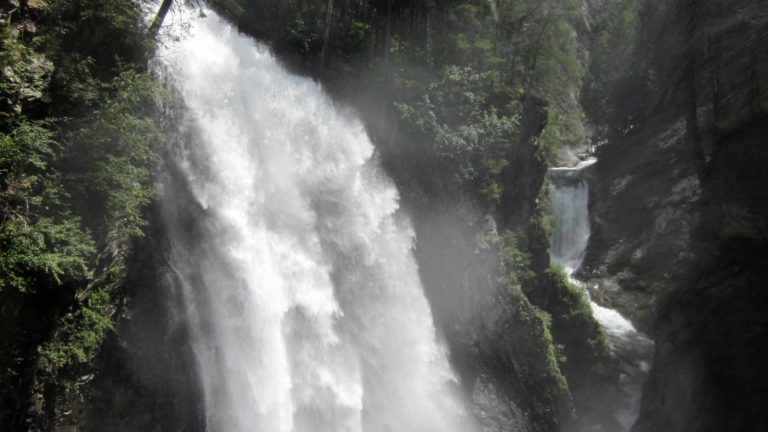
<point x="643" y="197"/>
<point x="493" y="411"/>
<point x="36" y="5"/>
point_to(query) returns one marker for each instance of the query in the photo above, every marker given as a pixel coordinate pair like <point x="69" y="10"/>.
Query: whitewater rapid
<point x="569" y="198"/>
<point x="293" y="265"/>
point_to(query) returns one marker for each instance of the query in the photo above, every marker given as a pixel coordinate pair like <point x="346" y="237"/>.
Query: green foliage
<point x="452" y="113"/>
<point x="77" y="139"/>
<point x="113" y="152"/>
<point x="80" y="333"/>
<point x="108" y="161"/>
<point x="516" y="258"/>
<point x="38" y="233"/>
<point x="543" y="219"/>
<point x="24" y="74"/>
<point x="613" y="41"/>
<point x="533" y="330"/>
<point x="563" y="128"/>
<point x="579" y="304"/>
<point x="574" y="326"/>
<point x="103" y="32"/>
<point x="487" y="237"/>
<point x="301" y="35"/>
<point x="491" y="60"/>
<point x="527" y="49"/>
<point x="56" y="248"/>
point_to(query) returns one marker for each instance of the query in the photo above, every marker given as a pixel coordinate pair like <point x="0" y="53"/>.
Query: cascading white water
<point x="294" y="266"/>
<point x="569" y="196"/>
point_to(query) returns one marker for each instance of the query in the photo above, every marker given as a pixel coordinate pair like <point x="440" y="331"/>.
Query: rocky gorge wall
<point x="678" y="241"/>
<point x="686" y="259"/>
<point x="644" y="197"/>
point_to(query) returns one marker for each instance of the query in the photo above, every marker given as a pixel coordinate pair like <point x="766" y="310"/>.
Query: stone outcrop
<point x="684" y="253"/>
<point x="685" y="257"/>
<point x="644" y="197"/>
<point x="711" y="331"/>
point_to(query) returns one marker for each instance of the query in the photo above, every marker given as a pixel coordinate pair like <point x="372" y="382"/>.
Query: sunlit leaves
<point x="39" y="235"/>
<point x="115" y="147"/>
<point x="24" y="74"/>
<point x="453" y="113"/>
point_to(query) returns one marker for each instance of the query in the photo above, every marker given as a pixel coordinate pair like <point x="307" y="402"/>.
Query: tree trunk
<point x="429" y="40"/>
<point x="693" y="135"/>
<point x="326" y="33"/>
<point x="154" y="29"/>
<point x="347" y="13"/>
<point x="713" y="56"/>
<point x="388" y="31"/>
<point x="535" y="60"/>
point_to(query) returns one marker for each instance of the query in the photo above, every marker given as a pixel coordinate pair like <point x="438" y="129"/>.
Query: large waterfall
<point x="569" y="196"/>
<point x="292" y="262"/>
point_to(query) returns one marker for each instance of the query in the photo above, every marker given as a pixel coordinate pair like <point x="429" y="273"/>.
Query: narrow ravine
<point x="569" y="195"/>
<point x="290" y="260"/>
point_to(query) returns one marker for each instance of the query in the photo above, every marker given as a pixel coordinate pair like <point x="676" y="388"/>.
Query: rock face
<point x="683" y="254"/>
<point x="687" y="260"/>
<point x="146" y="379"/>
<point x="497" y="343"/>
<point x="711" y="332"/>
<point x="493" y="411"/>
<point x="643" y="206"/>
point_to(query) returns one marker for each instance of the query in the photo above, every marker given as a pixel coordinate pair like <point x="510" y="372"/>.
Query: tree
<point x="326" y="33"/>
<point x="693" y="135"/>
<point x="165" y="6"/>
<point x="42" y="241"/>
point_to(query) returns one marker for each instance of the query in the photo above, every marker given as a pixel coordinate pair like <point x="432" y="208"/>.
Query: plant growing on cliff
<point x="41" y="239"/>
<point x="77" y="139"/>
<point x="80" y="333"/>
<point x="534" y="330"/>
<point x="24" y="74"/>
<point x="516" y="258"/>
<point x="452" y="113"/>
<point x="112" y="152"/>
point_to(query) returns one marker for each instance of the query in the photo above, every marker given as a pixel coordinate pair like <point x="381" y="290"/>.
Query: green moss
<point x="575" y="328"/>
<point x="536" y="357"/>
<point x="487" y="236"/>
<point x="516" y="258"/>
<point x="574" y="295"/>
<point x="542" y="219"/>
<point x="565" y="125"/>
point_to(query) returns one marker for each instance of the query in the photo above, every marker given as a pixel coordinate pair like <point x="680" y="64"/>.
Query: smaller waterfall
<point x="569" y="195"/>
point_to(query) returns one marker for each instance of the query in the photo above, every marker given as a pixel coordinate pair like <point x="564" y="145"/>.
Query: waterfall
<point x="293" y="266"/>
<point x="569" y="197"/>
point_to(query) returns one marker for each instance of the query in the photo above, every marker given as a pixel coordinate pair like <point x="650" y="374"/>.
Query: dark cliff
<point x="679" y="216"/>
